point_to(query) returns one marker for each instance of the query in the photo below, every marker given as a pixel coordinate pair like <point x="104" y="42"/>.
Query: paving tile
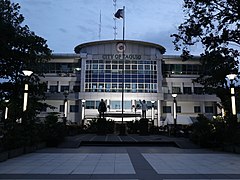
<point x="83" y="170"/>
<point x="61" y="171"/>
<point x="204" y="163"/>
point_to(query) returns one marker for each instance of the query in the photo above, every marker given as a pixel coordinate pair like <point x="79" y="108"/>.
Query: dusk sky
<point x="67" y="23"/>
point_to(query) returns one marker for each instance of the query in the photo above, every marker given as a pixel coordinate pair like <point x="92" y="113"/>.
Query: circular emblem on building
<point x="121" y="47"/>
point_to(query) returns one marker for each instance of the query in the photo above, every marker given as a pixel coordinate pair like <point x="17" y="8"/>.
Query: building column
<point x="158" y="124"/>
<point x="182" y="85"/>
<point x="59" y="86"/>
<point x="153" y="112"/>
<point x="192" y="88"/>
<point x="203" y="107"/>
<point x="170" y="88"/>
<point x="108" y="104"/>
<point x="48" y="86"/>
<point x="82" y="77"/>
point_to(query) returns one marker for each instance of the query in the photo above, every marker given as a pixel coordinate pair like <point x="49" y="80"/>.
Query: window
<point x="90" y="104"/>
<point x="53" y="89"/>
<point x="176" y="90"/>
<point x="127" y="67"/>
<point x="74" y="108"/>
<point x="208" y="109"/>
<point x="61" y="108"/>
<point x="114" y="67"/>
<point x="187" y="90"/>
<point x="95" y="66"/>
<point x="127" y="105"/>
<point x="97" y="104"/>
<point x="116" y="104"/>
<point x="76" y="88"/>
<point x="64" y="88"/>
<point x="134" y="66"/>
<point x="108" y="87"/>
<point x="179" y="110"/>
<point x="140" y="66"/>
<point x="197" y="109"/>
<point x="166" y="109"/>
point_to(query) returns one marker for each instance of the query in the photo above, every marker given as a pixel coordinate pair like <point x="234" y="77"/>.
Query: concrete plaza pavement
<point x="115" y="161"/>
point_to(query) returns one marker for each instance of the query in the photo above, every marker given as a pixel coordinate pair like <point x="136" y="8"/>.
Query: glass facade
<point x="191" y="69"/>
<point x="106" y="76"/>
<point x="61" y="67"/>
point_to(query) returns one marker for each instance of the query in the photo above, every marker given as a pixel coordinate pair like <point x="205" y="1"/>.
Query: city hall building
<point x="77" y="82"/>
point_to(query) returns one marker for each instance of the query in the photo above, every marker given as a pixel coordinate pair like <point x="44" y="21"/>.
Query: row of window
<point x="181" y="69"/>
<point x="128" y="87"/>
<point x="118" y="74"/>
<point x="117" y="87"/>
<point x="188" y="90"/>
<point x="114" y="61"/>
<point x="54" y="88"/>
<point x="61" y="67"/>
<point x="73" y="108"/>
<point x="147" y="67"/>
<point x="127" y="105"/>
<point x="118" y="105"/>
<point x="197" y="109"/>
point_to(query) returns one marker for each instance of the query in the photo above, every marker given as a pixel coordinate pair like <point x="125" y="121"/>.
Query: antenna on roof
<point x="115" y="19"/>
<point x="100" y="26"/>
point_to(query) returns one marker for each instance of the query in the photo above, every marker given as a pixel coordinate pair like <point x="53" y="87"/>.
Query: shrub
<point x="143" y="126"/>
<point x="203" y="131"/>
<point x="54" y="131"/>
<point x="133" y="127"/>
<point x="215" y="132"/>
<point x="74" y="129"/>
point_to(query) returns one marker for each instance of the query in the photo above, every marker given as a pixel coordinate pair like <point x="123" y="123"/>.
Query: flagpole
<point x="123" y="59"/>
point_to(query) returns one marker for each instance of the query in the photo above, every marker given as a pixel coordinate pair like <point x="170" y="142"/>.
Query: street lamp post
<point x="231" y="77"/>
<point x="26" y="73"/>
<point x="83" y="110"/>
<point x="6" y="109"/>
<point x="152" y="109"/>
<point x="65" y="93"/>
<point x="174" y="113"/>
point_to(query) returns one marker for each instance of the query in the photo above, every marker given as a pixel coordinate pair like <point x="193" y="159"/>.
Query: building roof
<point x="78" y="48"/>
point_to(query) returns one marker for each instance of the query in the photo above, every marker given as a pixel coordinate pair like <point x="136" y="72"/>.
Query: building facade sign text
<point x="120" y="56"/>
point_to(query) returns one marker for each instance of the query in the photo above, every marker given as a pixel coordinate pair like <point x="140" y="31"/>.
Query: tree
<point x="215" y="24"/>
<point x="20" y="49"/>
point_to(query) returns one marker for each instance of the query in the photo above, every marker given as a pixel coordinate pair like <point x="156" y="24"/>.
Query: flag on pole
<point x="119" y="14"/>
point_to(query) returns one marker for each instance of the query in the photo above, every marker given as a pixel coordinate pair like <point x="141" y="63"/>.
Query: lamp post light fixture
<point x="6" y="110"/>
<point x="152" y="109"/>
<point x="83" y="110"/>
<point x="174" y="113"/>
<point x="26" y="73"/>
<point x="65" y="93"/>
<point x="231" y="77"/>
